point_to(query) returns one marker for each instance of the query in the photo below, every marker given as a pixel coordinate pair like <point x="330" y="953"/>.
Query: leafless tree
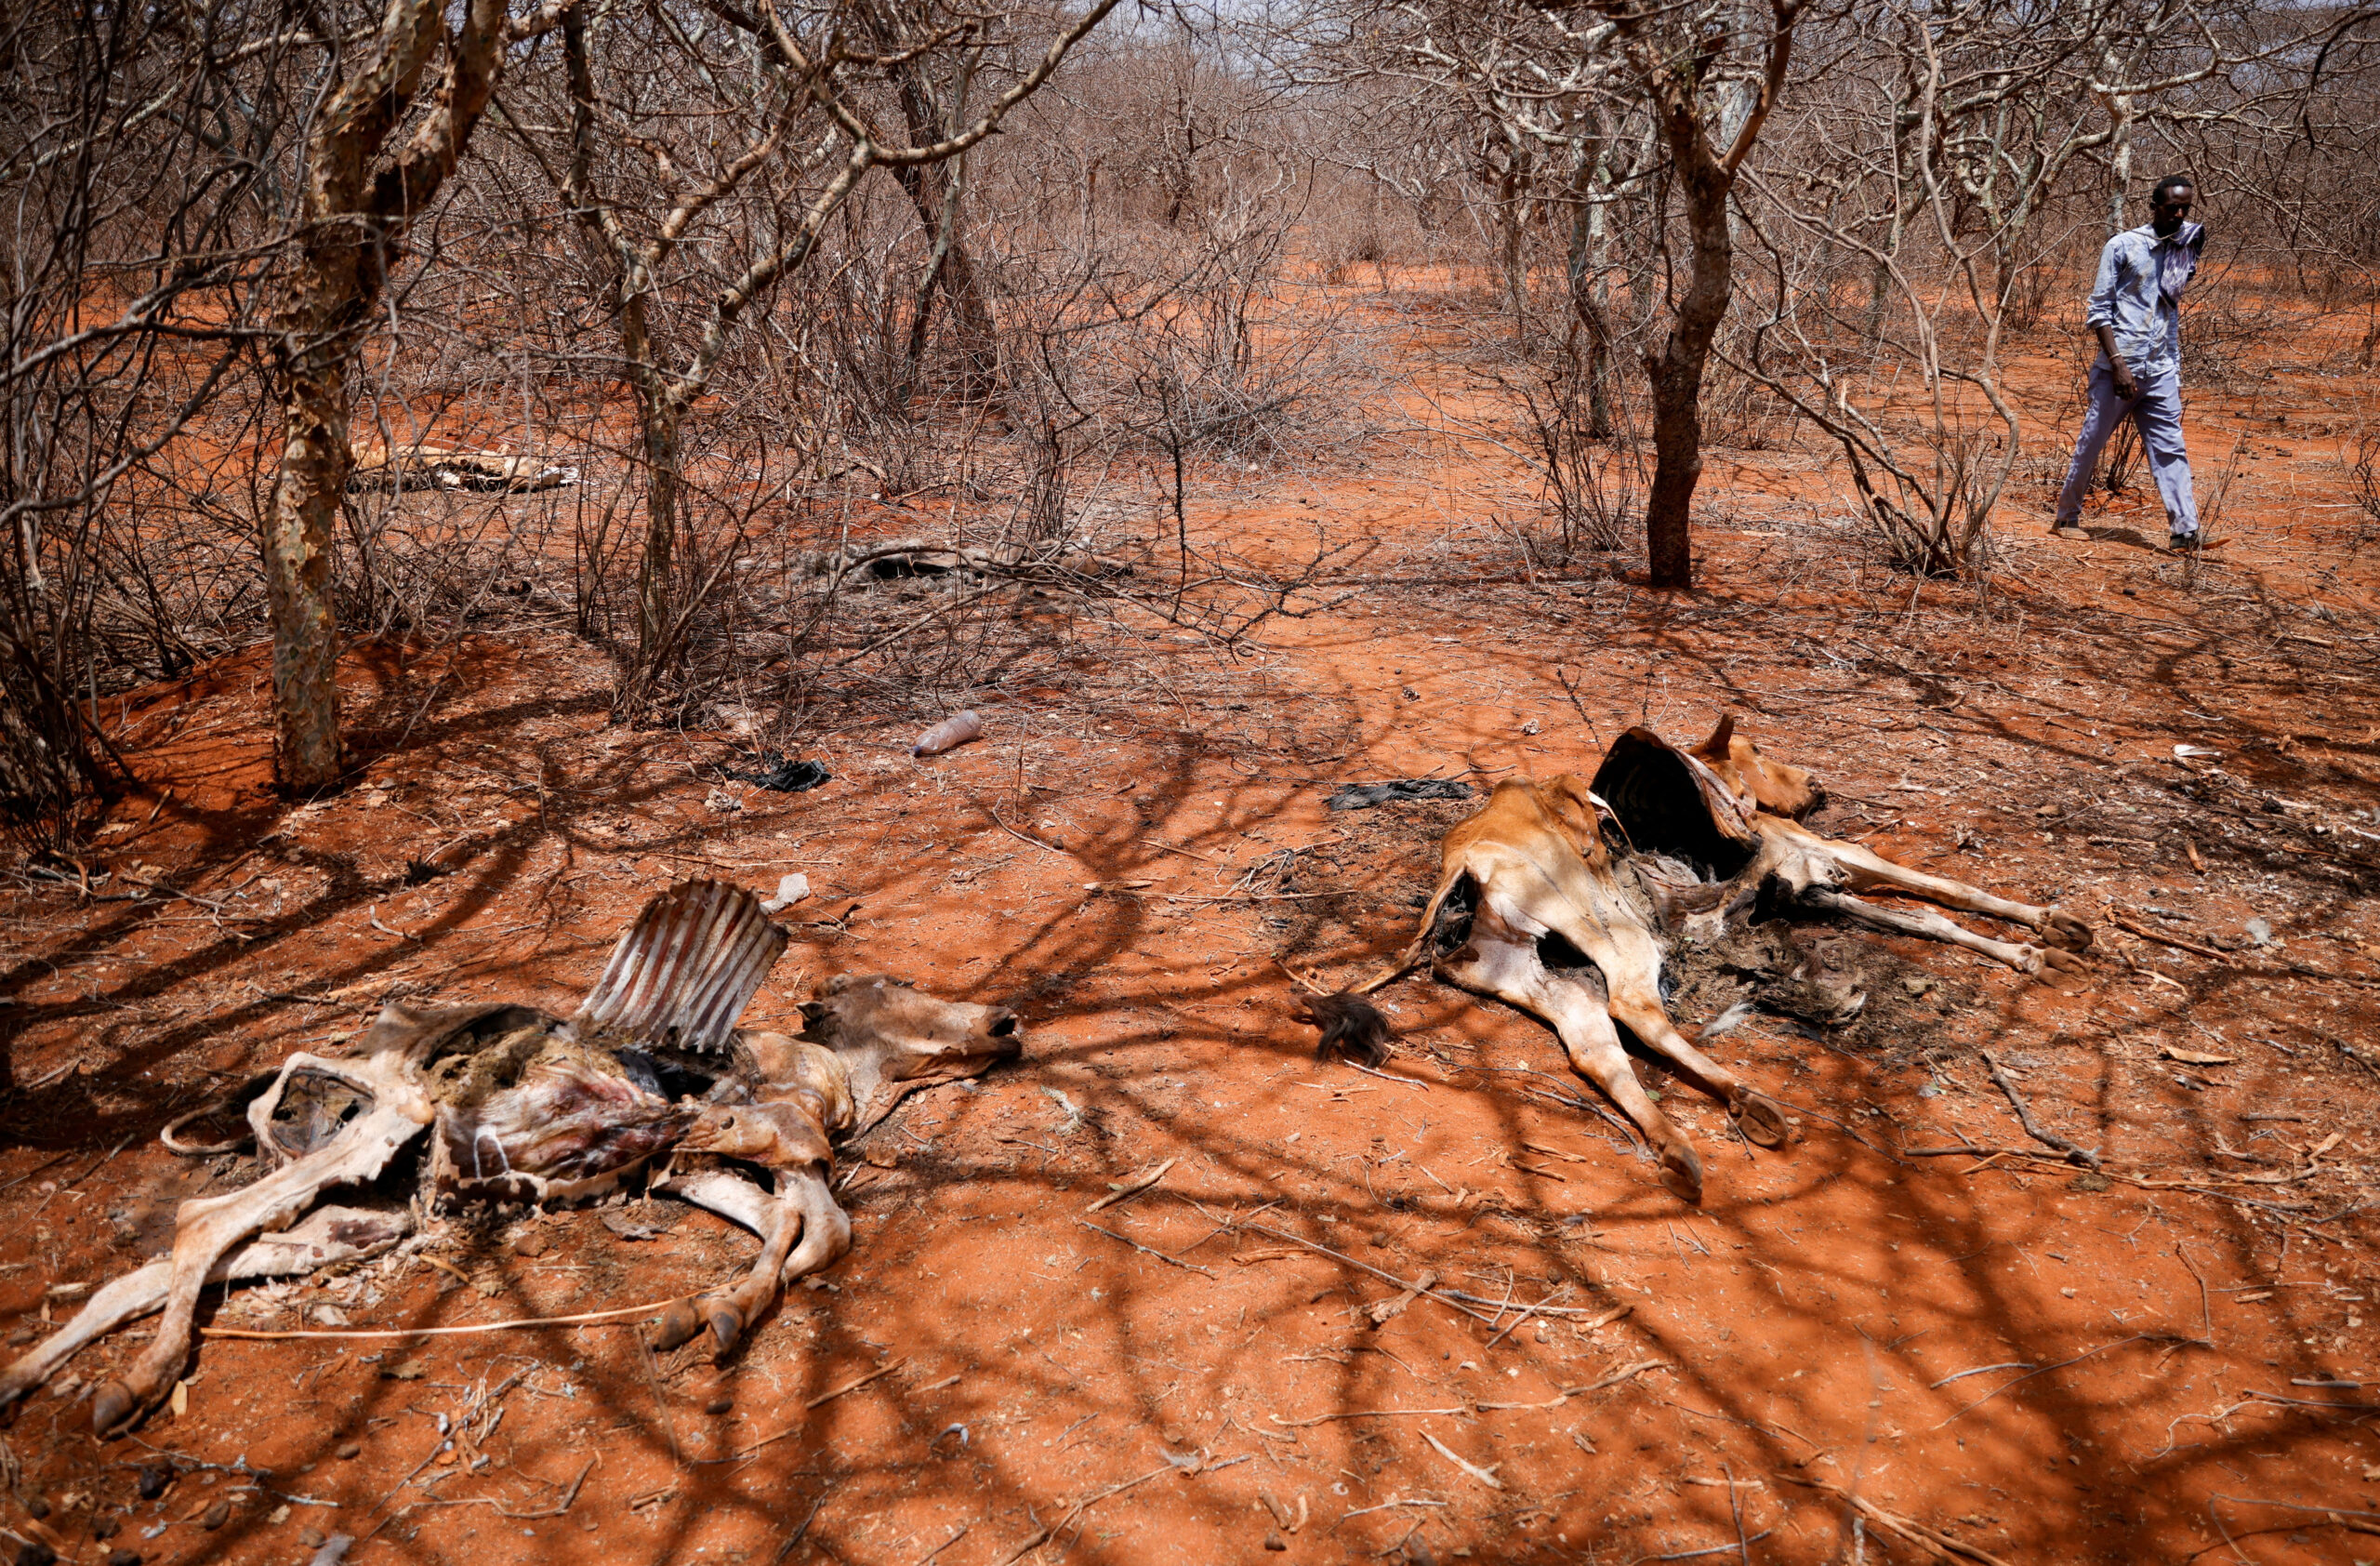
<point x="804" y="134"/>
<point x="1593" y="89"/>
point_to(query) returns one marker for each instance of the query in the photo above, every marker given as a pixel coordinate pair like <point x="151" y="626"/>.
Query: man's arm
<point x="2126" y="387"/>
<point x="2100" y="317"/>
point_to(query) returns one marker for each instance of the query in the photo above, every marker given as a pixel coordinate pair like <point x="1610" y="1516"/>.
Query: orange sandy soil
<point x="2007" y="1359"/>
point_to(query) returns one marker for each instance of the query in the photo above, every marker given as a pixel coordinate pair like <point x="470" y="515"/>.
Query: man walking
<point x="2135" y="310"/>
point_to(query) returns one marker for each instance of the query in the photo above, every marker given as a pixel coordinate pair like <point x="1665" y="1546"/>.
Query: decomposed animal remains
<point x="650" y="1075"/>
<point x="1562" y="896"/>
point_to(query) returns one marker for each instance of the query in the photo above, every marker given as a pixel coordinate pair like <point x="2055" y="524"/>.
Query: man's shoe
<point x="2185" y="543"/>
<point x="2069" y="530"/>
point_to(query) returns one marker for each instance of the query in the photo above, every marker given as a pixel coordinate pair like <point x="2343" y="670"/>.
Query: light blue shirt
<point x="2131" y="295"/>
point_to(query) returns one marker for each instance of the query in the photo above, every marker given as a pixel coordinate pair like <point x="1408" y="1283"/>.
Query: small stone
<point x="311" y="1537"/>
<point x="1174" y="1435"/>
<point x="154" y="1477"/>
<point x="104" y="1527"/>
<point x="37" y="1505"/>
<point x="1917" y="986"/>
<point x="1273" y="1539"/>
<point x="280" y="1515"/>
<point x="2089" y="1180"/>
<point x="124" y="1558"/>
<point x="216" y="1516"/>
<point x="532" y="1245"/>
<point x="350" y="1451"/>
<point x="719" y="1406"/>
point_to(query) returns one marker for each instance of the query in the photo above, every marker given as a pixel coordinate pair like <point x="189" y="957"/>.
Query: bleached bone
<point x="209" y="1227"/>
<point x="325" y="1235"/>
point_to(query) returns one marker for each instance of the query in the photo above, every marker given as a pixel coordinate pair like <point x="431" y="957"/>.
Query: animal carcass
<point x="650" y="1074"/>
<point x="431" y="467"/>
<point x="1563" y="897"/>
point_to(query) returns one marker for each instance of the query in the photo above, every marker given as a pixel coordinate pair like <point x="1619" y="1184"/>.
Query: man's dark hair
<point x="2172" y="182"/>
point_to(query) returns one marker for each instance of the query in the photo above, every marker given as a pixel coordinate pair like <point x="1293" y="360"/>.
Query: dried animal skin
<point x="544" y="1116"/>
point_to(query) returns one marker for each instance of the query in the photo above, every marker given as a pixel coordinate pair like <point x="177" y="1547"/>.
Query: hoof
<point x="112" y="1408"/>
<point x="1759" y="1119"/>
<point x="726" y="1326"/>
<point x="2063" y="961"/>
<point x="1682" y="1176"/>
<point x="2065" y="932"/>
<point x="678" y="1325"/>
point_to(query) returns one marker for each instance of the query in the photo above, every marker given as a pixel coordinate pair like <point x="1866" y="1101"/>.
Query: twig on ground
<point x="1934" y="1540"/>
<point x="585" y="1319"/>
<point x="1133" y="1187"/>
<point x="2044" y="1369"/>
<point x="1144" y="1250"/>
<point x="2033" y="1128"/>
<point x="1485" y="1476"/>
<point x="855" y="1385"/>
<point x="1044" y="1536"/>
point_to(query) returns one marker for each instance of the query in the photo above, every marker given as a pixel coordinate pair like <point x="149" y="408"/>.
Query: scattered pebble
<point x="216" y="1516"/>
<point x="154" y="1477"/>
<point x="348" y="1450"/>
<point x="719" y="1406"/>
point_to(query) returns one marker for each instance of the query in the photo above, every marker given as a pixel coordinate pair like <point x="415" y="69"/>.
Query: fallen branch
<point x="2137" y="1337"/>
<point x="1173" y="1261"/>
<point x="855" y="1385"/>
<point x="1133" y="1187"/>
<point x="1625" y="1373"/>
<point x="1485" y="1476"/>
<point x="1044" y="1536"/>
<point x="1942" y="1545"/>
<point x="2033" y="1129"/>
<point x="1457" y="1298"/>
<point x="2262" y="970"/>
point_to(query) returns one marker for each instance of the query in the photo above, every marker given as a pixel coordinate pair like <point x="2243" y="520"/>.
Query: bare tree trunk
<point x="314" y="461"/>
<point x="1586" y="292"/>
<point x="938" y="197"/>
<point x="356" y="208"/>
<point x="1706" y="177"/>
<point x="951" y="270"/>
<point x="1512" y="197"/>
<point x="1676" y="369"/>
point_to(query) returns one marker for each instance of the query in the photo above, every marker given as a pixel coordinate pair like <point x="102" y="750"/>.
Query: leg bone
<point x="205" y="1230"/>
<point x="326" y="1235"/>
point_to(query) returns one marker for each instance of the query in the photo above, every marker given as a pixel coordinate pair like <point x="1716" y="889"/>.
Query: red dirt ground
<point x="1848" y="1352"/>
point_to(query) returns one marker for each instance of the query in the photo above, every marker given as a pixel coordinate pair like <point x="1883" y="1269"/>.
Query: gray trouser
<point x="2157" y="412"/>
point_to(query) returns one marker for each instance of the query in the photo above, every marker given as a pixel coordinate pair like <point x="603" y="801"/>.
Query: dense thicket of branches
<point x="739" y="263"/>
